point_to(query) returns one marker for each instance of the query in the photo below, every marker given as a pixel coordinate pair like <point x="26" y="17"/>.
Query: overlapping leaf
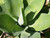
<point x="17" y="6"/>
<point x="25" y="34"/>
<point x="35" y="35"/>
<point x="6" y="7"/>
<point x="7" y="24"/>
<point x="34" y="6"/>
<point x="13" y="8"/>
<point x="42" y="23"/>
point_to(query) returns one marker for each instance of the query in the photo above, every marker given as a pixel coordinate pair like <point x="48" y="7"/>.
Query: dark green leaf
<point x="7" y="24"/>
<point x="12" y="8"/>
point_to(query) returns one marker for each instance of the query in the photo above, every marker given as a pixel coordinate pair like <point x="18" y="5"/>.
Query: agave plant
<point x="24" y="18"/>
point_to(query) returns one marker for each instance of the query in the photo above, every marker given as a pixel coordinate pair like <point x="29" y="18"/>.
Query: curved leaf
<point x="42" y="23"/>
<point x="34" y="6"/>
<point x="13" y="8"/>
<point x="35" y="35"/>
<point x="25" y="34"/>
<point x="7" y="24"/>
<point x="17" y="6"/>
<point x="6" y="7"/>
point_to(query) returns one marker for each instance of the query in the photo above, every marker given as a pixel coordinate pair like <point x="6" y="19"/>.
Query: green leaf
<point x="25" y="34"/>
<point x="35" y="35"/>
<point x="34" y="6"/>
<point x="12" y="8"/>
<point x="49" y="11"/>
<point x="6" y="7"/>
<point x="17" y="6"/>
<point x="42" y="23"/>
<point x="7" y="24"/>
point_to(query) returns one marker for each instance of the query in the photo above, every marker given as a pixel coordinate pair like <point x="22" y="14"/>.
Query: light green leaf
<point x="49" y="11"/>
<point x="17" y="6"/>
<point x="35" y="35"/>
<point x="7" y="24"/>
<point x="6" y="7"/>
<point x="42" y="23"/>
<point x="25" y="34"/>
<point x="34" y="6"/>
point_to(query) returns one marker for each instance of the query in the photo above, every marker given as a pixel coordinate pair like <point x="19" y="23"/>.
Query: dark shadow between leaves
<point x="33" y="21"/>
<point x="31" y="31"/>
<point x="43" y="10"/>
<point x="0" y="9"/>
<point x="45" y="32"/>
<point x="29" y="17"/>
<point x="25" y="3"/>
<point x="42" y="35"/>
<point x="1" y="32"/>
